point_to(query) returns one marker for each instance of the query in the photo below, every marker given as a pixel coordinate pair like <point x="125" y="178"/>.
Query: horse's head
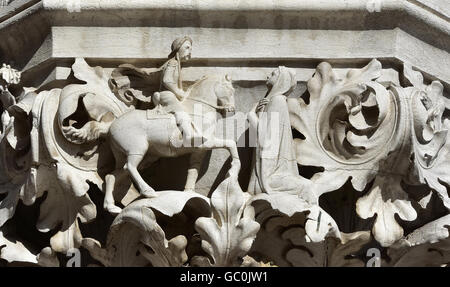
<point x="215" y="92"/>
<point x="225" y="94"/>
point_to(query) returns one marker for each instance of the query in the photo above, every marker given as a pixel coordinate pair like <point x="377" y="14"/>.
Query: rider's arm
<point x="170" y="82"/>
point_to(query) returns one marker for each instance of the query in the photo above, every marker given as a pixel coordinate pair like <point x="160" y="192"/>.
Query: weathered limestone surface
<point x="225" y="133"/>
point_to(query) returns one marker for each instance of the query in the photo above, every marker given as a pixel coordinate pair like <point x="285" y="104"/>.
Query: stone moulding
<point x="405" y="26"/>
<point x="295" y="133"/>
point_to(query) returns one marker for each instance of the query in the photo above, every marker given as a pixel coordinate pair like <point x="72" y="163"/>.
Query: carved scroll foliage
<point x="43" y="159"/>
<point x="65" y="184"/>
<point x="355" y="126"/>
<point x="430" y="136"/>
<point x="14" y="144"/>
<point x="348" y="124"/>
<point x="229" y="234"/>
<point x="100" y="104"/>
<point x="14" y="161"/>
<point x="65" y="154"/>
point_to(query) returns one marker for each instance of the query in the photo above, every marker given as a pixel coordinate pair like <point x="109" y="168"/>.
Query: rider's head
<point x="183" y="47"/>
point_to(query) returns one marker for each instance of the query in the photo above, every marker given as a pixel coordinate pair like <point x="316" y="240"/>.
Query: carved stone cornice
<point x="404" y="26"/>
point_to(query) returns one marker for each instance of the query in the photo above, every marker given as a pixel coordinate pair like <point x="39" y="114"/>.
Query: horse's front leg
<point x="195" y="163"/>
<point x="231" y="146"/>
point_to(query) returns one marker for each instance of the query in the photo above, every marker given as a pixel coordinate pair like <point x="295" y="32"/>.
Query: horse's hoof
<point x="149" y="193"/>
<point x="111" y="208"/>
<point x="189" y="190"/>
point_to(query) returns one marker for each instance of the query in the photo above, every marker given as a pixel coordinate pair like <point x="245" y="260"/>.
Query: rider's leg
<point x="184" y="123"/>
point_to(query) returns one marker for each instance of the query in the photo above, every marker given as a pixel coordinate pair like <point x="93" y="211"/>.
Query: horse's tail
<point x="90" y="132"/>
<point x="101" y="109"/>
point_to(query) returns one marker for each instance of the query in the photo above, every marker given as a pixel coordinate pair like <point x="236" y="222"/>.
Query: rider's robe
<point x="132" y="84"/>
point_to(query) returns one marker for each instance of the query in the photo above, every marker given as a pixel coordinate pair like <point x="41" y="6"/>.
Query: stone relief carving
<point x="385" y="140"/>
<point x="5" y="2"/>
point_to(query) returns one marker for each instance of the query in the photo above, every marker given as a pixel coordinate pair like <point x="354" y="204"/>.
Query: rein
<point x="208" y="104"/>
<point x="203" y="101"/>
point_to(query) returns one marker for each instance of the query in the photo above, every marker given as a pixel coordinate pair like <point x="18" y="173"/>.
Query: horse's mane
<point x="193" y="89"/>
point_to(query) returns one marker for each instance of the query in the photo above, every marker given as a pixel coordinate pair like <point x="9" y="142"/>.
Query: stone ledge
<point x="364" y="12"/>
<point x="140" y="44"/>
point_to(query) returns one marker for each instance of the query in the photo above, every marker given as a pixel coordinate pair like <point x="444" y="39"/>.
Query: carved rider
<point x="166" y="79"/>
<point x="171" y="89"/>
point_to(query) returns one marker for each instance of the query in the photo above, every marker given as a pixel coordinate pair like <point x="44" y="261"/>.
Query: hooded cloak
<point x="274" y="162"/>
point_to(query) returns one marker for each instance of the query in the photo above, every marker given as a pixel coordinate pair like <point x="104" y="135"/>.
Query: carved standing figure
<point x="274" y="163"/>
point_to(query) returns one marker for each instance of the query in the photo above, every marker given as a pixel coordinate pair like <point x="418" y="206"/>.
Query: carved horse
<point x="138" y="137"/>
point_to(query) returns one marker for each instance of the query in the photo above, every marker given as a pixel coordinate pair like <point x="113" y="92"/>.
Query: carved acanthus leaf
<point x="386" y="198"/>
<point x="318" y="223"/>
<point x="136" y="239"/>
<point x="14" y="161"/>
<point x="61" y="208"/>
<point x="138" y="230"/>
<point x="332" y="252"/>
<point x="284" y="240"/>
<point x="229" y="233"/>
<point x="61" y="175"/>
<point x="15" y="251"/>
<point x="428" y="245"/>
<point x="9" y="203"/>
